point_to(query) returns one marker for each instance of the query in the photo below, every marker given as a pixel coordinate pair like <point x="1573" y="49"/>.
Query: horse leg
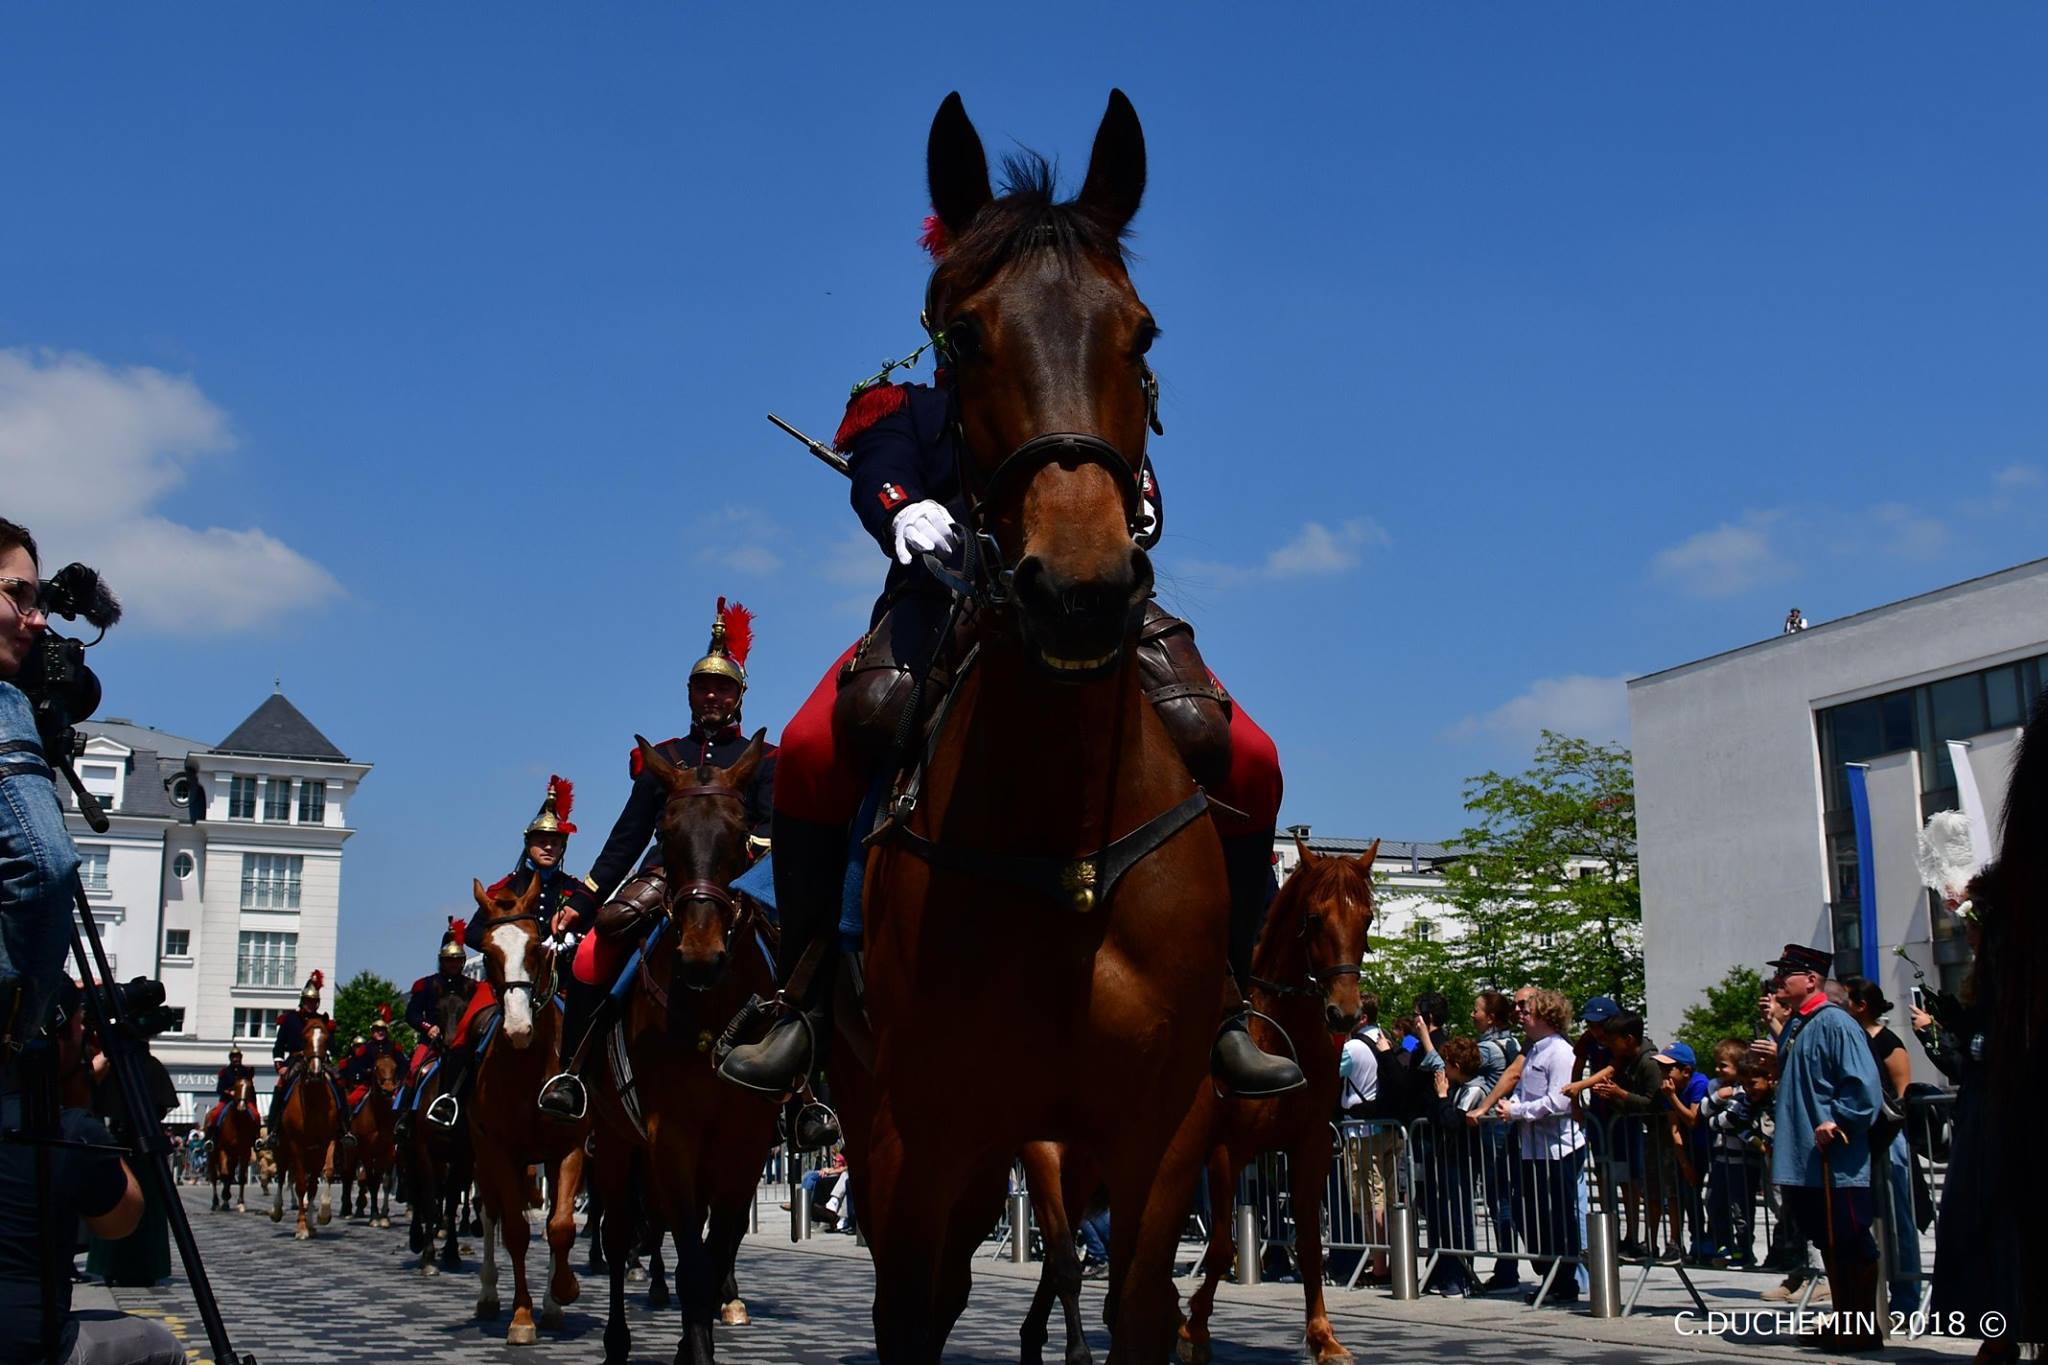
<point x="487" y="1272"/>
<point x="514" y="1228"/>
<point x="323" y="1185"/>
<point x="728" y="1226"/>
<point x="971" y="1216"/>
<point x="451" y="1250"/>
<point x="1149" y="1196"/>
<point x="561" y="1233"/>
<point x="277" y="1197"/>
<point x="305" y="1177"/>
<point x="1195" y="1347"/>
<point x="657" y="1274"/>
<point x="242" y="1187"/>
<point x="916" y="1183"/>
<point x="1310" y="1172"/>
<point x="695" y="1287"/>
<point x="1049" y="1210"/>
<point x="616" y="1230"/>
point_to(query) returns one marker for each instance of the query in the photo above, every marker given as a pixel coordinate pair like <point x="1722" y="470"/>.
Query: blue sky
<point x="418" y="356"/>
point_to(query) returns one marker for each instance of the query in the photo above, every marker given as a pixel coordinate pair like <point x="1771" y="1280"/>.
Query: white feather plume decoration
<point x="1946" y="857"/>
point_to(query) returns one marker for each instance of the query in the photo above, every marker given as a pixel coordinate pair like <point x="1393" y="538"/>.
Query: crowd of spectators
<point x="1768" y="1152"/>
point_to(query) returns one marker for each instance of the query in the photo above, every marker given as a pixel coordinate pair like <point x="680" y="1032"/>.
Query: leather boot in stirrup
<point x="1241" y="1070"/>
<point x="779" y="1062"/>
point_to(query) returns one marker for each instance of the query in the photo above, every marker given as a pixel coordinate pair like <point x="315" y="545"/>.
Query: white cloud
<point x="743" y="539"/>
<point x="2015" y="477"/>
<point x="854" y="561"/>
<point x="1908" y="533"/>
<point x="1579" y="705"/>
<point x="1730" y="559"/>
<point x="1316" y="551"/>
<point x="90" y="449"/>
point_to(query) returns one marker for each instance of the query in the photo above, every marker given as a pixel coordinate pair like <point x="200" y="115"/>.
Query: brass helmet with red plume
<point x="732" y="636"/>
<point x="554" y="810"/>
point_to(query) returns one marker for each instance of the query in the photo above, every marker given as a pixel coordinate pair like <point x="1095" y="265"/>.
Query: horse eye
<point x="1148" y="332"/>
<point x="963" y="339"/>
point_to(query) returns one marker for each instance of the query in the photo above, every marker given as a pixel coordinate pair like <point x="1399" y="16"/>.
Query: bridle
<point x="533" y="990"/>
<point x="739" y="910"/>
<point x="1317" y="980"/>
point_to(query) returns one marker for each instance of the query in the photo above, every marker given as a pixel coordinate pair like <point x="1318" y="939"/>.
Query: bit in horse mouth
<point x="1077" y="665"/>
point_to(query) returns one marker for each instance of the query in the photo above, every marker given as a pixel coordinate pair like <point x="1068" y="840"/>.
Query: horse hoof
<point x="428" y="1268"/>
<point x="486" y="1309"/>
<point x="734" y="1314"/>
<point x="635" y="1275"/>
<point x="657" y="1296"/>
<point x="241" y="1208"/>
<point x="1191" y="1351"/>
<point x="566" y="1287"/>
<point x="303" y="1235"/>
<point x="551" y="1318"/>
<point x="522" y="1331"/>
<point x="277" y="1215"/>
<point x="1337" y="1356"/>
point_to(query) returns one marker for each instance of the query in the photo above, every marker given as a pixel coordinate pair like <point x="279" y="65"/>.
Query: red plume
<point x="933" y="239"/>
<point x="316" y="978"/>
<point x="565" y="797"/>
<point x="384" y="1011"/>
<point x="739" y="630"/>
<point x="457" y="926"/>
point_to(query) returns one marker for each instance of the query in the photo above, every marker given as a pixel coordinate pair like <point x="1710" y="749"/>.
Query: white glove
<point x="1150" y="521"/>
<point x="923" y="528"/>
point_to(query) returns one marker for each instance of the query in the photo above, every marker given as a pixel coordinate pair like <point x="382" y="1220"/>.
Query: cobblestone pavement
<point x="347" y="1297"/>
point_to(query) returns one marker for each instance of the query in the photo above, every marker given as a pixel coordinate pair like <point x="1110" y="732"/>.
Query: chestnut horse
<point x="375" y="1153"/>
<point x="1304" y="978"/>
<point x="695" y="1154"/>
<point x="311" y="1122"/>
<point x="1055" y="891"/>
<point x="507" y="1132"/>
<point x="228" y="1162"/>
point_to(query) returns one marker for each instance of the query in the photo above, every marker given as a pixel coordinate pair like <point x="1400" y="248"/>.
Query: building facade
<point x="220" y="875"/>
<point x="1741" y="761"/>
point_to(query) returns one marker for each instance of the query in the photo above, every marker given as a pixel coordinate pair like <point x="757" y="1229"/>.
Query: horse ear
<point x="483" y="897"/>
<point x="651" y="761"/>
<point x="1303" y="851"/>
<point x="956" y="167"/>
<point x="1371" y="854"/>
<point x="1116" y="166"/>
<point x="741" y="773"/>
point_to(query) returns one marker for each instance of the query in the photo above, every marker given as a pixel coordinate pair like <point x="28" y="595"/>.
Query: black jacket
<point x="625" y="849"/>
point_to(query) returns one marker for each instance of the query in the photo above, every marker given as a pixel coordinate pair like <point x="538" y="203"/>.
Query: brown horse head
<point x="515" y="957"/>
<point x="1322" y="918"/>
<point x="388" y="1074"/>
<point x="1046" y="339"/>
<point x="703" y="836"/>
<point x="313" y="1046"/>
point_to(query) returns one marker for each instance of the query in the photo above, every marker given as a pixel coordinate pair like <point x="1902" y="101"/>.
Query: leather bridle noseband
<point x="532" y="988"/>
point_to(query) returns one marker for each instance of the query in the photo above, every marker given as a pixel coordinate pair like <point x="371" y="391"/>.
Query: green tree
<point x="355" y="1010"/>
<point x="1400" y="967"/>
<point x="1729" y="1010"/>
<point x="1546" y="885"/>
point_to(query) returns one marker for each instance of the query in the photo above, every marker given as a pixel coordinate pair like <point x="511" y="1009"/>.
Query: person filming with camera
<point x="58" y="1165"/>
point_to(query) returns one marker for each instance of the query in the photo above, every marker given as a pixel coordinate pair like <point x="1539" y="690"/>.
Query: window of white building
<point x="270" y="881"/>
<point x="277" y="799"/>
<point x="255" y="1026"/>
<point x="1422" y="930"/>
<point x="176" y="1014"/>
<point x="312" y="803"/>
<point x="242" y="798"/>
<point x="103" y="780"/>
<point x="92" y="866"/>
<point x="181" y="866"/>
<point x="264" y="959"/>
<point x="177" y="943"/>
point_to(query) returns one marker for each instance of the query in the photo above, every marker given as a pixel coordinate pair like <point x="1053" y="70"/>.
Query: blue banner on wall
<point x="1866" y="867"/>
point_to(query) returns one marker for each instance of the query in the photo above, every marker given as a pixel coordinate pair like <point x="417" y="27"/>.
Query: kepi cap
<point x="1797" y="957"/>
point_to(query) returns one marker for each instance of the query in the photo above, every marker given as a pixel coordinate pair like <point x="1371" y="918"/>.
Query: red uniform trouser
<point x="599" y="957"/>
<point x="484" y="995"/>
<point x="818" y="781"/>
<point x="421" y="1054"/>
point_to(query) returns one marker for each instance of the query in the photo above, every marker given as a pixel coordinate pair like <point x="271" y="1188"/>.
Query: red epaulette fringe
<point x="868" y="407"/>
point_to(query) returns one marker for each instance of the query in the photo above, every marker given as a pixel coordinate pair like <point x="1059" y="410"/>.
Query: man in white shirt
<point x="1372" y="1151"/>
<point x="1553" y="1150"/>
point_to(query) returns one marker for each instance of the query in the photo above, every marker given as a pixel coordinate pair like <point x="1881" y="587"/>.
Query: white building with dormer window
<point x="220" y="875"/>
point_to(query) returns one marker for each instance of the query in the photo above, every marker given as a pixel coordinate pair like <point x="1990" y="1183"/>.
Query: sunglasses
<point x="26" y="594"/>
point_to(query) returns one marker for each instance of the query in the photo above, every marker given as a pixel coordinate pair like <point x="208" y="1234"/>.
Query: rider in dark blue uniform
<point x="224" y="1082"/>
<point x="434" y="1010"/>
<point x="284" y="1050"/>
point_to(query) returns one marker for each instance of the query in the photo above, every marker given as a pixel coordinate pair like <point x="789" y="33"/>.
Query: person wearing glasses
<point x="37" y="861"/>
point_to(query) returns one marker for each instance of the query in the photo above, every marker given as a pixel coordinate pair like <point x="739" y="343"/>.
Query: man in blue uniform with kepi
<point x="434" y="1009"/>
<point x="284" y="1052"/>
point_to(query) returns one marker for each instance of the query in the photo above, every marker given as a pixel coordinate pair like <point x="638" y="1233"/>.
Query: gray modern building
<point x="1747" y="840"/>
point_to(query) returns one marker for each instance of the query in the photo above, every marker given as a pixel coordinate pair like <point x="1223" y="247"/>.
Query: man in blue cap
<point x="1682" y="1091"/>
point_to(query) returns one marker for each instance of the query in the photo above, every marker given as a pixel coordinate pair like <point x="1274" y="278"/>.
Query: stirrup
<point x="559" y="1083"/>
<point x="1245" y="1014"/>
<point x="444" y="1119"/>
<point x="822" y="1122"/>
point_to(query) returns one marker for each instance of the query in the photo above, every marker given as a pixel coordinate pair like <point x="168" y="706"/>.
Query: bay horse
<point x="375" y="1156"/>
<point x="228" y="1163"/>
<point x="1055" y="889"/>
<point x="310" y="1124"/>
<point x="507" y="1132"/>
<point x="694" y="1153"/>
<point x="438" y="1172"/>
<point x="1304" y="978"/>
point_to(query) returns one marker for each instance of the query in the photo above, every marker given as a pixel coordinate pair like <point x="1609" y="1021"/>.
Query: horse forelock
<point x="1025" y="220"/>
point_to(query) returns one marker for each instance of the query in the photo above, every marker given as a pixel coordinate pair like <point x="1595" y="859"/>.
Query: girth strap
<point x="1083" y="883"/>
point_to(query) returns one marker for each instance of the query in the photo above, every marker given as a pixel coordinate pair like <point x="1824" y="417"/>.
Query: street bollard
<point x="1603" y="1264"/>
<point x="754" y="1213"/>
<point x="1020" y="1228"/>
<point x="799" y="1206"/>
<point x="1248" y="1249"/>
<point x="1402" y="1248"/>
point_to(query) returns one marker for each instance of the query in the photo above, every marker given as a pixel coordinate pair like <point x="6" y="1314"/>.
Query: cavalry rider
<point x="565" y="902"/>
<point x="359" y="1072"/>
<point x="434" y="1011"/>
<point x="901" y="447"/>
<point x="224" y="1082"/>
<point x="284" y="1050"/>
<point x="718" y="684"/>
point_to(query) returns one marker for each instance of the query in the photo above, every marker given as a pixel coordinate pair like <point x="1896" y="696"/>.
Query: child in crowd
<point x="1732" y="1113"/>
<point x="1680" y="1094"/>
<point x="1446" y="1160"/>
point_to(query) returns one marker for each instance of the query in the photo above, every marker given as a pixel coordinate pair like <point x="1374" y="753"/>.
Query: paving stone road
<point x="349" y="1296"/>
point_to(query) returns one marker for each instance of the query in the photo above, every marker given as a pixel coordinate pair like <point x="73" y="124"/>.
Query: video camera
<point x="60" y="686"/>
